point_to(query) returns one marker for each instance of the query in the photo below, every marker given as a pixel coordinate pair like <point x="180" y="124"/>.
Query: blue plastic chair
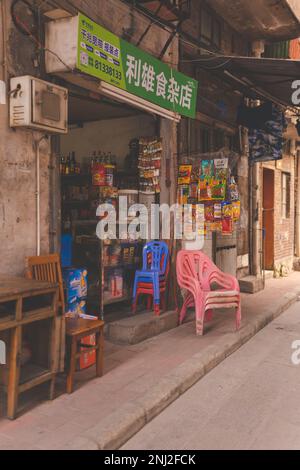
<point x="155" y="261"/>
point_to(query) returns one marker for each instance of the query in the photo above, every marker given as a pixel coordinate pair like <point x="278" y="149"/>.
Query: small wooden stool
<point x="76" y="330"/>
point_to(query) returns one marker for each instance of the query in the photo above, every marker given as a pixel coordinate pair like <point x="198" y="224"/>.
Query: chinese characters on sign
<point x="96" y="41"/>
<point x="144" y="75"/>
<point x="111" y="59"/>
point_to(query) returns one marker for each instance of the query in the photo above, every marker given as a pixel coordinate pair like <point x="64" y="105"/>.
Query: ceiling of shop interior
<point x="87" y="110"/>
<point x="261" y="19"/>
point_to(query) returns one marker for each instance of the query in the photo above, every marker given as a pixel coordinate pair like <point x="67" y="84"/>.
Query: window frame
<point x="215" y="25"/>
<point x="285" y="195"/>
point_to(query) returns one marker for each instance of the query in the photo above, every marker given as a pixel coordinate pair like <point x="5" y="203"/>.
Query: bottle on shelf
<point x="62" y="166"/>
<point x="67" y="224"/>
<point x="109" y="170"/>
<point x="68" y="165"/>
<point x="93" y="162"/>
<point x="73" y="163"/>
<point x="77" y="168"/>
<point x="100" y="157"/>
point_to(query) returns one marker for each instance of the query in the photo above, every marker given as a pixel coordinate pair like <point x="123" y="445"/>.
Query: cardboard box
<point x="88" y="359"/>
<point x="76" y="283"/>
<point x="76" y="308"/>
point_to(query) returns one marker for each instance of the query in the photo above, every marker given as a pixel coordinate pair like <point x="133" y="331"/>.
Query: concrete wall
<point x="17" y="149"/>
<point x="121" y="20"/>
<point x="261" y="19"/>
<point x="17" y="170"/>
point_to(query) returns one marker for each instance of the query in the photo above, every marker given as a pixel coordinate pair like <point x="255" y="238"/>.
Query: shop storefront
<point x="123" y="103"/>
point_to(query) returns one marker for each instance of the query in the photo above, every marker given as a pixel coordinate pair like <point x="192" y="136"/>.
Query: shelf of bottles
<point x="85" y="185"/>
<point x="110" y="263"/>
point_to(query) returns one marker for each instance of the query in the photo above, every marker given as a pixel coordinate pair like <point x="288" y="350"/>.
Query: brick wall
<point x="284" y="228"/>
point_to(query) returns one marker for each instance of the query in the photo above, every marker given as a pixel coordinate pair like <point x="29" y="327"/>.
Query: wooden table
<point x="28" y="308"/>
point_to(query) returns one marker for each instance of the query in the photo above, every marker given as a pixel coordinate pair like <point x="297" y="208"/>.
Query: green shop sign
<point x="113" y="60"/>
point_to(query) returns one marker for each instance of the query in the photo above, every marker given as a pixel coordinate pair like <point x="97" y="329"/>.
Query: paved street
<point x="250" y="401"/>
<point x="141" y="380"/>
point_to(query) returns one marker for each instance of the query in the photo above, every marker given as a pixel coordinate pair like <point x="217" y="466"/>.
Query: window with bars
<point x="210" y="28"/>
<point x="286" y="195"/>
<point x="199" y="138"/>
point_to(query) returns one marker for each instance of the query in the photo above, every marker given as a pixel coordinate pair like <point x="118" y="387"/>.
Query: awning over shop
<point x="257" y="77"/>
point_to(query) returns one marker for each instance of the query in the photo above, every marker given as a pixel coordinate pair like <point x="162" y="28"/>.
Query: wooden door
<point x="268" y="217"/>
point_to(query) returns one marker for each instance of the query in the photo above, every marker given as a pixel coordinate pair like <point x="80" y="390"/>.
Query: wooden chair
<point x="48" y="268"/>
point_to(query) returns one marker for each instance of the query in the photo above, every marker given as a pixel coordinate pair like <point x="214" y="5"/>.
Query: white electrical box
<point x="39" y="105"/>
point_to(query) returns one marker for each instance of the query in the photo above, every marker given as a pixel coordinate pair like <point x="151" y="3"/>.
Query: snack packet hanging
<point x="227" y="226"/>
<point x="204" y="191"/>
<point x="193" y="191"/>
<point x="209" y="213"/>
<point x="207" y="168"/>
<point x="218" y="190"/>
<point x="227" y="210"/>
<point x="184" y="174"/>
<point x="233" y="190"/>
<point x="221" y="168"/>
<point x="216" y="226"/>
<point x="217" y="212"/>
<point x="200" y="219"/>
<point x="236" y="211"/>
<point x="183" y="194"/>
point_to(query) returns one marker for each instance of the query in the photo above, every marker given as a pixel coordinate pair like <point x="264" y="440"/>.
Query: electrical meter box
<point x="39" y="105"/>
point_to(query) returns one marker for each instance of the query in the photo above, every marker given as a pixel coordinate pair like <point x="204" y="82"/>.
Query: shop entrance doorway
<point x="100" y="161"/>
<point x="268" y="217"/>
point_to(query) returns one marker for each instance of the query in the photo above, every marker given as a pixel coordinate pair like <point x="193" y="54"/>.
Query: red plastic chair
<point x="155" y="264"/>
<point x="147" y="289"/>
<point x="198" y="274"/>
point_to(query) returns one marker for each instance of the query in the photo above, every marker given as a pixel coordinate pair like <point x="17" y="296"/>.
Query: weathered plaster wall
<point x="18" y="174"/>
<point x="17" y="151"/>
<point x="121" y="19"/>
<point x="261" y="19"/>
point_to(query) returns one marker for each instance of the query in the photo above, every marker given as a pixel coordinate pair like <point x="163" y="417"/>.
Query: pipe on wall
<point x="256" y="268"/>
<point x="3" y="57"/>
<point x="38" y="194"/>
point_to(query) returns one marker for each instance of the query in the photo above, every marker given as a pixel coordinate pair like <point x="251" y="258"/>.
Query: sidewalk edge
<point x="120" y="426"/>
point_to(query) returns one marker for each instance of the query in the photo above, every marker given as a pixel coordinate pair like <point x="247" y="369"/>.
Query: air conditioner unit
<point x="37" y="104"/>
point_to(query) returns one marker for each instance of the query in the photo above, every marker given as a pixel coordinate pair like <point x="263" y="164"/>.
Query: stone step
<point x="251" y="284"/>
<point x="138" y="328"/>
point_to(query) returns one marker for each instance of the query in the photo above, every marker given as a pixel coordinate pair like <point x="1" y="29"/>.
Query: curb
<point x="121" y="425"/>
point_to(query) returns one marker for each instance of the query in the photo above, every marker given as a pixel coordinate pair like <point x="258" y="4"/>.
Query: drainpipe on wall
<point x="3" y="53"/>
<point x="38" y="193"/>
<point x="258" y="48"/>
<point x="3" y="41"/>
